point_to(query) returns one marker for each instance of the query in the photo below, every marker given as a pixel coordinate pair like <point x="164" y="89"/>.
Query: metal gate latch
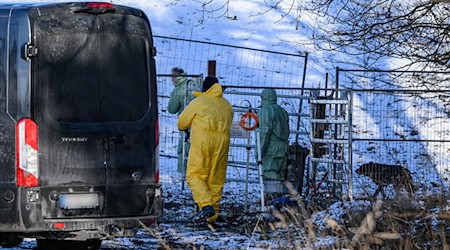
<point x="30" y="51"/>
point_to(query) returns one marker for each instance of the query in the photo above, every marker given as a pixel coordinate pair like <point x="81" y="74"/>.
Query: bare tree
<point x="213" y="9"/>
<point x="416" y="31"/>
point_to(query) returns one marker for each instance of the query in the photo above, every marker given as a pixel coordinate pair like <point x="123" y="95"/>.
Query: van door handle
<point x="136" y="176"/>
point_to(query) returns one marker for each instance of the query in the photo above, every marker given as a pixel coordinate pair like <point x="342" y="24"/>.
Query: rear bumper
<point x="105" y="228"/>
<point x="38" y="216"/>
<point x="94" y="228"/>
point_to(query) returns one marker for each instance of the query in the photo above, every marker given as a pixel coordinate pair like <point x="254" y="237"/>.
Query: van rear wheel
<point x="10" y="240"/>
<point x="68" y="244"/>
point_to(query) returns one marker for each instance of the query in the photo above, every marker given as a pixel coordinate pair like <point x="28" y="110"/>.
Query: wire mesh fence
<point x="400" y="132"/>
<point x="394" y="120"/>
<point x="330" y="137"/>
<point x="242" y="100"/>
<point x="242" y="157"/>
<point x="235" y="66"/>
<point x="405" y="129"/>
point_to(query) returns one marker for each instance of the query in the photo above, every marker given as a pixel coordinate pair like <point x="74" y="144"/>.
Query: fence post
<point x="335" y="148"/>
<point x="350" y="146"/>
<point x="247" y="170"/>
<point x="301" y="99"/>
<point x="337" y="80"/>
<point x="185" y="143"/>
<point x="212" y="68"/>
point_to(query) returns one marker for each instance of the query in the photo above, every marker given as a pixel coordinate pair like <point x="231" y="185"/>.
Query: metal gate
<point x="330" y="137"/>
<point x="400" y="130"/>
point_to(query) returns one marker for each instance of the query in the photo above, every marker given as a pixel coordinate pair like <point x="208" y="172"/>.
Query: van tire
<point x="10" y="240"/>
<point x="68" y="244"/>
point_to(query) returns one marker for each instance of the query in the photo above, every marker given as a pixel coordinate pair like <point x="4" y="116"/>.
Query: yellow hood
<point x="215" y="90"/>
<point x="209" y="112"/>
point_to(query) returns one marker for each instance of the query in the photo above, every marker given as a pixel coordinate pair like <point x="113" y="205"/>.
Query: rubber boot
<point x="206" y="212"/>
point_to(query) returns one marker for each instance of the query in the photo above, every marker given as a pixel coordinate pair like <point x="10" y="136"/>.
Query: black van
<point x="78" y="124"/>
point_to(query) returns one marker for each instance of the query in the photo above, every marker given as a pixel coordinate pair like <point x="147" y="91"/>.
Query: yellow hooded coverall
<point x="209" y="116"/>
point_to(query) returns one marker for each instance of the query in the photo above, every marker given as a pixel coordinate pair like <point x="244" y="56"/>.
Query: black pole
<point x="326" y="84"/>
<point x="212" y="68"/>
<point x="336" y="113"/>
<point x="301" y="93"/>
<point x="337" y="81"/>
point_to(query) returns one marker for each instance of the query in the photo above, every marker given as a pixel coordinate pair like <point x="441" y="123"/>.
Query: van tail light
<point x="27" y="154"/>
<point x="157" y="176"/>
<point x="94" y="8"/>
<point x="156" y="151"/>
<point x="157" y="134"/>
<point x="100" y="5"/>
<point x="59" y="225"/>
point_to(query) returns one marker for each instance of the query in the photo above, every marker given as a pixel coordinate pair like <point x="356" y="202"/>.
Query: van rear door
<point x="93" y="88"/>
<point x="67" y="104"/>
<point x="126" y="117"/>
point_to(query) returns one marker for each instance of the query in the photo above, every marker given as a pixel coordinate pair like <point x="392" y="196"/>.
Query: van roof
<point x="29" y="4"/>
<point x="52" y="8"/>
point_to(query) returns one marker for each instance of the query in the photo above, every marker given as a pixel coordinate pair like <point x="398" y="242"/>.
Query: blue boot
<point x="206" y="212"/>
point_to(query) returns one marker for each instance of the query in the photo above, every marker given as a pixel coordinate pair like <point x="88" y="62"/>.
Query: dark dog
<point x="383" y="175"/>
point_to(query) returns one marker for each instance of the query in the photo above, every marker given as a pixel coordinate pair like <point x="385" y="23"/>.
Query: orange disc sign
<point x="249" y="121"/>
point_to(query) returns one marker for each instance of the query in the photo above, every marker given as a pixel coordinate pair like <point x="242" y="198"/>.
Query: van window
<point x="2" y="63"/>
<point x="124" y="77"/>
<point x="18" y="75"/>
<point x="91" y="70"/>
<point x="3" y="24"/>
<point x="68" y="78"/>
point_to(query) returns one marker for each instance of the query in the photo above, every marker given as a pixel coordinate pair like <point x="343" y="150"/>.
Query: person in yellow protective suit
<point x="209" y="117"/>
